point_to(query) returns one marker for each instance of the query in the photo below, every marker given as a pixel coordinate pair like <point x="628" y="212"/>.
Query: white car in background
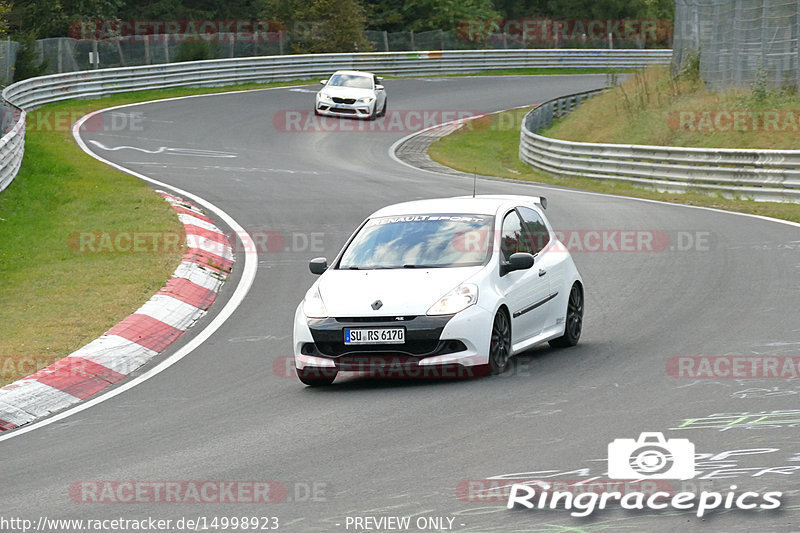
<point x="352" y="93"/>
<point x="458" y="282"/>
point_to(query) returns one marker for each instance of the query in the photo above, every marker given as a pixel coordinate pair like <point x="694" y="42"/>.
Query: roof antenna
<point x="474" y="180"/>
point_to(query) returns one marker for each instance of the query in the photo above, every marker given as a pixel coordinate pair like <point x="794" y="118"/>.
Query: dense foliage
<point x="52" y="18"/>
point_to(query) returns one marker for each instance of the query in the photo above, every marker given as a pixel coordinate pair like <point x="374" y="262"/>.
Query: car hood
<point x="410" y="291"/>
<point x="347" y="92"/>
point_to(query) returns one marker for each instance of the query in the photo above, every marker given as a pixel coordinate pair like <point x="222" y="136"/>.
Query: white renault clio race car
<point x="351" y="93"/>
<point x="456" y="283"/>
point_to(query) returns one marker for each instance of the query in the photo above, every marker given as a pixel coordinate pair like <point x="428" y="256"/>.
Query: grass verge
<point x="490" y="146"/>
<point x="55" y="298"/>
<point x="654" y="108"/>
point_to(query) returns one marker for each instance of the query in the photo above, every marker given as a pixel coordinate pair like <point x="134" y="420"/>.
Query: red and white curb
<point x="141" y="336"/>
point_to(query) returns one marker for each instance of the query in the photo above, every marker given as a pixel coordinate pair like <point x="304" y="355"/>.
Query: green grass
<point x="490" y="145"/>
<point x="56" y="299"/>
<point x="655" y="109"/>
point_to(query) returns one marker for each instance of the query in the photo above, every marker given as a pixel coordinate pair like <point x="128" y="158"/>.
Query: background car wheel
<point x="317" y="377"/>
<point x="500" y="346"/>
<point x="573" y="324"/>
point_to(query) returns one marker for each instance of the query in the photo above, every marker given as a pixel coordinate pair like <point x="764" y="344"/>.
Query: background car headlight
<point x="313" y="306"/>
<point x="456" y="300"/>
<point x="366" y="100"/>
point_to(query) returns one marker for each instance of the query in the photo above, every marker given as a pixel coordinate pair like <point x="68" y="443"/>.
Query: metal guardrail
<point x="12" y="147"/>
<point x="34" y="92"/>
<point x="763" y="175"/>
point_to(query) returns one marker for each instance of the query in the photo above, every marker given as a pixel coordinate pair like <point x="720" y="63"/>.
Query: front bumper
<point x="460" y="340"/>
<point x="344" y="110"/>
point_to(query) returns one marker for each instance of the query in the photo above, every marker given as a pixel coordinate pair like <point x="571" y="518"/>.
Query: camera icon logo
<point x="651" y="457"/>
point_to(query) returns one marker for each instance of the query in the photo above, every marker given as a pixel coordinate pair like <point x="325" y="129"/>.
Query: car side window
<point x="534" y="231"/>
<point x="510" y="235"/>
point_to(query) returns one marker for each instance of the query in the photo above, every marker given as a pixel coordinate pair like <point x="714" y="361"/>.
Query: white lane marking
<point x="165" y="149"/>
<point x="260" y="170"/>
<point x="246" y="281"/>
<point x="396" y="144"/>
<point x="304" y="90"/>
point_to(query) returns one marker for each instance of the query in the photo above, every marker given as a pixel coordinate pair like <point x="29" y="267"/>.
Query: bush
<point x="28" y="64"/>
<point x="196" y="50"/>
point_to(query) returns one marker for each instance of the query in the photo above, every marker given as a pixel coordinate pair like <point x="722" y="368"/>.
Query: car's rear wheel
<point x="573" y="323"/>
<point x="317" y="377"/>
<point x="500" y="347"/>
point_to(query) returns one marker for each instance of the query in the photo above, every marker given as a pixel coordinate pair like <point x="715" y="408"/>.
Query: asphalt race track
<point x="715" y="284"/>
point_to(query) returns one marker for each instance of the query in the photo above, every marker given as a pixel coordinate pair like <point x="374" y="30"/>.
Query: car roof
<point x="353" y="73"/>
<point x="478" y="205"/>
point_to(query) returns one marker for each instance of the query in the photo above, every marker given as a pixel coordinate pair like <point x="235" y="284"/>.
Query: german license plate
<point x="375" y="336"/>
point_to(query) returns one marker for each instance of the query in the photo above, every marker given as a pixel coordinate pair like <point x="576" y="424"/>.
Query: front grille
<point x="422" y="338"/>
<point x="338" y="100"/>
<point x="343" y="111"/>
<point x="335" y="349"/>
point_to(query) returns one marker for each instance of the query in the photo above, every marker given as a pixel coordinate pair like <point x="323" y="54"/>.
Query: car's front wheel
<point x="316" y="377"/>
<point x="500" y="347"/>
<point x="573" y="323"/>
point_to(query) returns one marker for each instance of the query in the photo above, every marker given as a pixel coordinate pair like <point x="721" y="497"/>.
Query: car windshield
<point x="419" y="241"/>
<point x="351" y="80"/>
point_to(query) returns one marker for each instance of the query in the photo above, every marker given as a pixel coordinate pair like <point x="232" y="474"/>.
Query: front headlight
<point x="366" y="100"/>
<point x="313" y="306"/>
<point x="323" y="96"/>
<point x="456" y="300"/>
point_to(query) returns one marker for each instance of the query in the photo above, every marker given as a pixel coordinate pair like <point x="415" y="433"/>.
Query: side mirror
<point x="379" y="87"/>
<point x="379" y="78"/>
<point x="318" y="265"/>
<point x="517" y="261"/>
<point x="323" y="82"/>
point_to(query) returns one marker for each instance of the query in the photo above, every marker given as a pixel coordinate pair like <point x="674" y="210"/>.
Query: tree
<point x="323" y="26"/>
<point x="5" y="11"/>
<point x="51" y="18"/>
<point x="423" y="15"/>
